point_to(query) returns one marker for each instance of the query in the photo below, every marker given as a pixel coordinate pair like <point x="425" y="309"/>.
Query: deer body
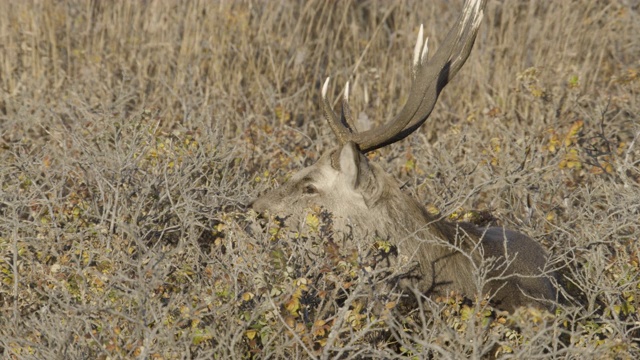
<point x="368" y="202"/>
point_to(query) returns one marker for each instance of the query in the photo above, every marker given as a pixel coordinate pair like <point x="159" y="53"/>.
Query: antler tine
<point x="429" y="80"/>
<point x="425" y="50"/>
<point x="341" y="132"/>
<point x="346" y="115"/>
<point x="417" y="50"/>
<point x="458" y="51"/>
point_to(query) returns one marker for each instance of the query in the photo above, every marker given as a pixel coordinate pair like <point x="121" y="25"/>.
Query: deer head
<point x="343" y="181"/>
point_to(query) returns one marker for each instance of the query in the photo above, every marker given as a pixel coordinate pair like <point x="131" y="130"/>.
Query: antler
<point x="428" y="80"/>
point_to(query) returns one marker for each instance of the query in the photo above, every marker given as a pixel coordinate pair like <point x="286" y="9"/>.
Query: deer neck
<point x="395" y="213"/>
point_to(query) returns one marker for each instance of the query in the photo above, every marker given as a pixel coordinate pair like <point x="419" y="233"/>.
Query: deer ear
<point x="351" y="161"/>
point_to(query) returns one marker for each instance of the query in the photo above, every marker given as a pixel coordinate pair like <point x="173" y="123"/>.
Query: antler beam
<point x="428" y="80"/>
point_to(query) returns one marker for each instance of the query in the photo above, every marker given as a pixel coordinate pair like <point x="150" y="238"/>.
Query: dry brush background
<point x="132" y="134"/>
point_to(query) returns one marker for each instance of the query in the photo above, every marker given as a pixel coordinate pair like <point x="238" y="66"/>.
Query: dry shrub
<point x="132" y="134"/>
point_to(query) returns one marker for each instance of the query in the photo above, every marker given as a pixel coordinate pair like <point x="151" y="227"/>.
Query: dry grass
<point x="133" y="132"/>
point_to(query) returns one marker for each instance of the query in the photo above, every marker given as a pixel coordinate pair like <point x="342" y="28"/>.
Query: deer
<point x="366" y="201"/>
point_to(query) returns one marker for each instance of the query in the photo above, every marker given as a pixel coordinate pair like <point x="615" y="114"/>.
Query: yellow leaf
<point x="466" y="312"/>
<point x="573" y="133"/>
<point x="251" y="333"/>
<point x="432" y="209"/>
<point x="247" y="296"/>
<point x="390" y="305"/>
<point x="290" y="321"/>
<point x="410" y="164"/>
<point x="318" y="332"/>
<point x="312" y="221"/>
<point x="551" y="216"/>
<point x="383" y="245"/>
<point x="293" y="305"/>
<point x="554" y="142"/>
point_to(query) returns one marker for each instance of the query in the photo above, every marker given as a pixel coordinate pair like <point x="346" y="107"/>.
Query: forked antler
<point x="428" y="80"/>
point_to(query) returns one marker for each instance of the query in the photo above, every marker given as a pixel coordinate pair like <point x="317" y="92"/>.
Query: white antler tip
<point x="325" y="87"/>
<point x="418" y="49"/>
<point x="346" y="92"/>
<point x="425" y="50"/>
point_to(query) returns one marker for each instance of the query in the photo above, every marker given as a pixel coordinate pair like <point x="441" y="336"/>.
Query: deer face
<point x="342" y="191"/>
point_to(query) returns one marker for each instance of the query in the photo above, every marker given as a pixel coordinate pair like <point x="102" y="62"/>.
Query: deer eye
<point x="310" y="189"/>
